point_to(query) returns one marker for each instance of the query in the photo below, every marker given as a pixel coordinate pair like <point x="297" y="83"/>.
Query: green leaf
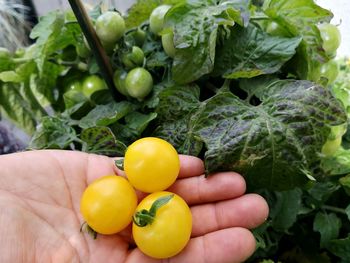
<point x="7" y="64"/>
<point x="19" y="107"/>
<point x="53" y="133"/>
<point x="141" y="10"/>
<point x="101" y="140"/>
<point x="345" y="183"/>
<point x="175" y="108"/>
<point x="340" y="248"/>
<point x="285" y="209"/>
<point x="195" y="26"/>
<point x="45" y="33"/>
<point x="276" y="144"/>
<point x="328" y="225"/>
<point x="250" y="52"/>
<point x="300" y="18"/>
<point x="338" y="163"/>
<point x="321" y="191"/>
<point x="103" y="115"/>
<point x="347" y="211"/>
<point x="138" y="121"/>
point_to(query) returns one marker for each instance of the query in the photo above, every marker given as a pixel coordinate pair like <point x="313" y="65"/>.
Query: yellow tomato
<point x="170" y="229"/>
<point x="108" y="204"/>
<point x="151" y="164"/>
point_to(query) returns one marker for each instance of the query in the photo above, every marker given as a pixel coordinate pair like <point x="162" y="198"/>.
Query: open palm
<point x="40" y="221"/>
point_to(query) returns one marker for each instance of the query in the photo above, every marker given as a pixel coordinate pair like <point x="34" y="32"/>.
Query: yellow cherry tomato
<point x="108" y="204"/>
<point x="151" y="164"/>
<point x="169" y="231"/>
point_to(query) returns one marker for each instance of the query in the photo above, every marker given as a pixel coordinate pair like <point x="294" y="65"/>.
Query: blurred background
<point x="17" y="17"/>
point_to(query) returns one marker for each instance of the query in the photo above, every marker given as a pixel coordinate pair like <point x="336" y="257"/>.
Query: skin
<point x="40" y="193"/>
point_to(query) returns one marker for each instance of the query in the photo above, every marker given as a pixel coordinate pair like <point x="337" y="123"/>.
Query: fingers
<point x="247" y="211"/>
<point x="190" y="166"/>
<point x="229" y="245"/>
<point x="217" y="187"/>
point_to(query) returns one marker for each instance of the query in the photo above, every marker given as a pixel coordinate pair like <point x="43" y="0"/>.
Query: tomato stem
<point x="146" y="217"/>
<point x="86" y="228"/>
<point x="120" y="164"/>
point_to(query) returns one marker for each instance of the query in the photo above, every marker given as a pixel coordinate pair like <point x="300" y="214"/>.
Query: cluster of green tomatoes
<point x="162" y="221"/>
<point x="132" y="80"/>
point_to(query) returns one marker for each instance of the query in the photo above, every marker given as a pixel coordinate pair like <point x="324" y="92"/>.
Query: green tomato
<point x="139" y="83"/>
<point x="133" y="59"/>
<point x="110" y="27"/>
<point x="119" y="81"/>
<point x="156" y="19"/>
<point x="168" y="44"/>
<point x="331" y="38"/>
<point x="139" y="36"/>
<point x="331" y="146"/>
<point x="337" y="131"/>
<point x="92" y="84"/>
<point x="74" y="85"/>
<point x="330" y="71"/>
<point x="275" y="29"/>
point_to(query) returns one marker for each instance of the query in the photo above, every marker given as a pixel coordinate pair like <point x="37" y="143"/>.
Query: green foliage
<point x="235" y="94"/>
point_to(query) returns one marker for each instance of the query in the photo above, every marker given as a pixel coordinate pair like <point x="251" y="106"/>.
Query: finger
<point x="229" y="245"/>
<point x="247" y="211"/>
<point x="217" y="187"/>
<point x="190" y="166"/>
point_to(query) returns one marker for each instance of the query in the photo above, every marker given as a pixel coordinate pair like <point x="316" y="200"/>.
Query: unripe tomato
<point x="330" y="71"/>
<point x="133" y="59"/>
<point x="169" y="231"/>
<point x="168" y="44"/>
<point x="151" y="164"/>
<point x="331" y="38"/>
<point x="331" y="146"/>
<point x="108" y="204"/>
<point x="156" y="19"/>
<point x="91" y="84"/>
<point x="110" y="27"/>
<point x="139" y="83"/>
<point x="119" y="81"/>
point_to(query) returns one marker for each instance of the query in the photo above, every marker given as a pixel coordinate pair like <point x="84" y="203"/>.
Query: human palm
<point x="40" y="220"/>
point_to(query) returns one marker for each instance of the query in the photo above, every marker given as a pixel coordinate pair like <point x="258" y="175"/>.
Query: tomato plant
<point x="108" y="204"/>
<point x="162" y="225"/>
<point x="168" y="44"/>
<point x="139" y="83"/>
<point x="92" y="84"/>
<point x="110" y="27"/>
<point x="156" y="19"/>
<point x="331" y="38"/>
<point x="151" y="164"/>
<point x="275" y="29"/>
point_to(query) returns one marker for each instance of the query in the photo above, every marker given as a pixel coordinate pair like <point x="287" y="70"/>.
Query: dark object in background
<point x="8" y="143"/>
<point x="32" y="14"/>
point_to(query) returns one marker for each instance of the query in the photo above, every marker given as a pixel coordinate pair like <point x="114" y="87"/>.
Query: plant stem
<point x="21" y="60"/>
<point x="334" y="209"/>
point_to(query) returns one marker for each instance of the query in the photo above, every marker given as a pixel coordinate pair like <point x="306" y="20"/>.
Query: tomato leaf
<point x="175" y="108"/>
<point x="101" y="140"/>
<point x="285" y="208"/>
<point x="300" y="18"/>
<point x="274" y="145"/>
<point x="328" y="225"/>
<point x="250" y="52"/>
<point x="196" y="26"/>
<point x="104" y="115"/>
<point x="340" y="248"/>
<point x="53" y="133"/>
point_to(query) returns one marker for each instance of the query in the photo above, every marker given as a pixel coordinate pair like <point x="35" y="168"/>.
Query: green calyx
<point x="120" y="164"/>
<point x="146" y="217"/>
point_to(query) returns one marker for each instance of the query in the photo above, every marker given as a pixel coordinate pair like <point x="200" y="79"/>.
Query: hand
<point x="40" y="221"/>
